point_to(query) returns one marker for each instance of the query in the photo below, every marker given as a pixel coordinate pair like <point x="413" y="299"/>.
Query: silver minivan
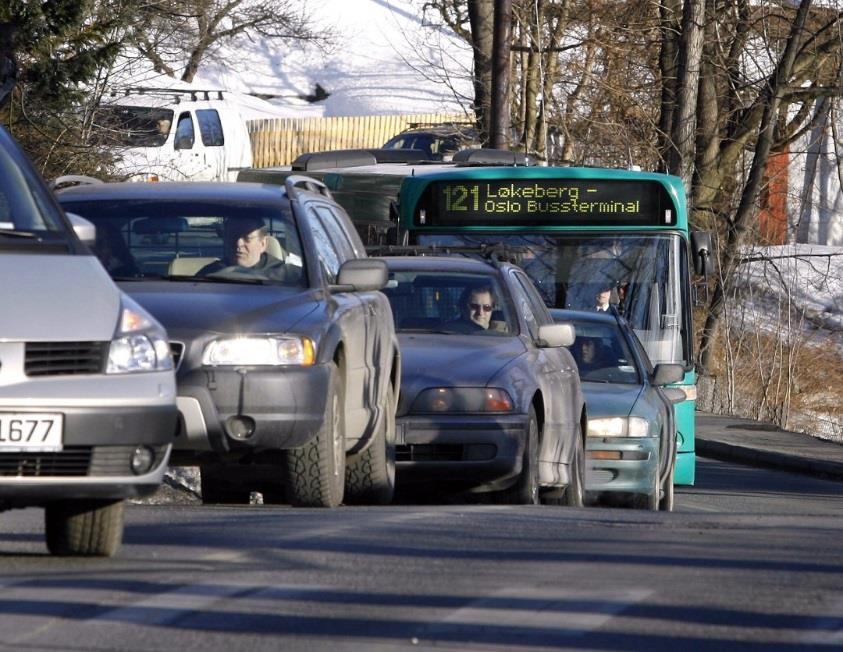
<point x="87" y="389"/>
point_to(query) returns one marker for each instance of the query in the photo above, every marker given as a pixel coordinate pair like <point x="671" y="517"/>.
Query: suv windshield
<point x="210" y="242"/>
<point x="441" y="302"/>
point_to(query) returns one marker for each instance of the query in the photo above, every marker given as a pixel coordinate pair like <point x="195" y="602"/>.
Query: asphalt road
<point x="751" y="559"/>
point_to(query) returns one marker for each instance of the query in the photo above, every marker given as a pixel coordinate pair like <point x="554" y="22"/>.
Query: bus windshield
<point x="642" y="273"/>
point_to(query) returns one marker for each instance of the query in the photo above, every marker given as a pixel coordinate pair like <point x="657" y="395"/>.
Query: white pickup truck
<point x="163" y="134"/>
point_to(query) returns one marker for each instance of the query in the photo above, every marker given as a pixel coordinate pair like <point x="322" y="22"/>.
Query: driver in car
<point x="244" y="247"/>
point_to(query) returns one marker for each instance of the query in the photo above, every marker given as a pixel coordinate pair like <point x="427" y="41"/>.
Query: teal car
<point x="631" y="438"/>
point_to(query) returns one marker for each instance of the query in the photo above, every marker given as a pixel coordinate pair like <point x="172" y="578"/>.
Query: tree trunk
<point x="500" y="123"/>
<point x="481" y="19"/>
<point x="730" y="253"/>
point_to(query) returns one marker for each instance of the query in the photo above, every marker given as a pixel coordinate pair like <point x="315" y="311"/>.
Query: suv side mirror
<point x="84" y="230"/>
<point x="667" y="373"/>
<point x="362" y="275"/>
<point x="556" y="335"/>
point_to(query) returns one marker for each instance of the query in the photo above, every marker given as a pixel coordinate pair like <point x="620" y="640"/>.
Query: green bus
<point x="578" y="231"/>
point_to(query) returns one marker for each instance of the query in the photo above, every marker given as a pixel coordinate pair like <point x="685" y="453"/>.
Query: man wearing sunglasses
<point x="476" y="307"/>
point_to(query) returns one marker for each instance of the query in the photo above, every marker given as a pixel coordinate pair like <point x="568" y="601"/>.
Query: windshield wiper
<point x="26" y="235"/>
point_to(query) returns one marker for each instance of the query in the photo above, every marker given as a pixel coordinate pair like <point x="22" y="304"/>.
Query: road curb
<point x="726" y="451"/>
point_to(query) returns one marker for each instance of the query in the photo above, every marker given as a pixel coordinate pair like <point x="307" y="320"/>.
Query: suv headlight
<point x="618" y="427"/>
<point x="266" y="350"/>
<point x="140" y="343"/>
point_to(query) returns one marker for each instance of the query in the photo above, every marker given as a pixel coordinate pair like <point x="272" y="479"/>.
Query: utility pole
<point x="499" y="125"/>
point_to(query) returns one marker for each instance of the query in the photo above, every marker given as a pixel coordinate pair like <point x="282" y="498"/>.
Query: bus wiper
<point x="26" y="235"/>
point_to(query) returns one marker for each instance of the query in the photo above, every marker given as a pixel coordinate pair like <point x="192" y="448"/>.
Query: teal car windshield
<point x="643" y="274"/>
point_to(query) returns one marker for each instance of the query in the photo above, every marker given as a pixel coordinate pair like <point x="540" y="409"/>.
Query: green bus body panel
<point x="686" y="460"/>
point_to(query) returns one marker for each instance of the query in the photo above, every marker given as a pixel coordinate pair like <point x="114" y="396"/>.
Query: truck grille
<point x="65" y="358"/>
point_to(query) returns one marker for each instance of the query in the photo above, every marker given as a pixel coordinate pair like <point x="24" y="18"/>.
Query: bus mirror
<point x="702" y="253"/>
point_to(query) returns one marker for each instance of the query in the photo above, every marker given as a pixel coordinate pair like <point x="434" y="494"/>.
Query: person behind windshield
<point x="589" y="355"/>
<point x="602" y="298"/>
<point x="244" y="248"/>
<point x="476" y="307"/>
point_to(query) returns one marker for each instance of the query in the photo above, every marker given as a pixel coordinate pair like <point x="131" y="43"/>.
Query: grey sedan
<point x="490" y="399"/>
<point x="631" y="442"/>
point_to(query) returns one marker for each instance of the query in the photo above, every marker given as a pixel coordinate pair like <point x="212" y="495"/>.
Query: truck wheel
<point x="217" y="490"/>
<point x="575" y="491"/>
<point x="316" y="471"/>
<point x="84" y="527"/>
<point x="525" y="491"/>
<point x="370" y="475"/>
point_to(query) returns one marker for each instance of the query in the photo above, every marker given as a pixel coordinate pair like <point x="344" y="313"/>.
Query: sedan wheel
<point x="316" y="471"/>
<point x="526" y="489"/>
<point x="575" y="491"/>
<point x="666" y="502"/>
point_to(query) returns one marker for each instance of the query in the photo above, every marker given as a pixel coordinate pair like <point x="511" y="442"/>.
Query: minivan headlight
<point x="618" y="427"/>
<point x="266" y="350"/>
<point x="140" y="342"/>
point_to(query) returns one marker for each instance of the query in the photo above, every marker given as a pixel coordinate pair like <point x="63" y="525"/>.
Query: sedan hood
<point x="185" y="308"/>
<point x="432" y="360"/>
<point x="610" y="399"/>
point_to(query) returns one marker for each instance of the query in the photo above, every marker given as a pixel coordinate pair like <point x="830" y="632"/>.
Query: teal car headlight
<point x="139" y="344"/>
<point x="618" y="427"/>
<point x="260" y="351"/>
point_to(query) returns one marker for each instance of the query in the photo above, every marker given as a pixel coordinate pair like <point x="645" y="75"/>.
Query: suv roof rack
<point x="349" y="158"/>
<point x="484" y="156"/>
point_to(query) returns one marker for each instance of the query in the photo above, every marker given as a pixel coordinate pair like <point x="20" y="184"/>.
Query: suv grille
<point x="65" y="358"/>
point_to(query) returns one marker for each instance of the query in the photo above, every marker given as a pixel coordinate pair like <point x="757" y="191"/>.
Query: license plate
<point x="30" y="432"/>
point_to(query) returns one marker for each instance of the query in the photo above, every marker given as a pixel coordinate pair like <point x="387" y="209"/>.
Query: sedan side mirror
<point x="556" y="335"/>
<point x="362" y="275"/>
<point x="84" y="230"/>
<point x="668" y="373"/>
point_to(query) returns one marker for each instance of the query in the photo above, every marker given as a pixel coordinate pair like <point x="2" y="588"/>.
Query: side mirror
<point x="556" y="335"/>
<point x="84" y="230"/>
<point x="362" y="275"/>
<point x="668" y="373"/>
<point x="701" y="252"/>
<point x="674" y="394"/>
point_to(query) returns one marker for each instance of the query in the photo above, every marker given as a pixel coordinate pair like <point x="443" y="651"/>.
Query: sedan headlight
<point x="260" y="350"/>
<point x="618" y="427"/>
<point x="140" y="343"/>
<point x="462" y="399"/>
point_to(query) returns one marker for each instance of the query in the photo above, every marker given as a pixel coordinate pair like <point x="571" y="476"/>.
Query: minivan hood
<point x="185" y="308"/>
<point x="56" y="297"/>
<point x="610" y="399"/>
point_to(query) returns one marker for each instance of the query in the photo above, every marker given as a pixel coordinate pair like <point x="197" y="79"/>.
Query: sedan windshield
<point x="602" y="354"/>
<point x="211" y="242"/>
<point x="448" y="303"/>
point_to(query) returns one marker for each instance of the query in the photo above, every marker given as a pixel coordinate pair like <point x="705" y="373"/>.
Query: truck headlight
<point x="261" y="350"/>
<point x="618" y="427"/>
<point x="140" y="342"/>
<point x="462" y="399"/>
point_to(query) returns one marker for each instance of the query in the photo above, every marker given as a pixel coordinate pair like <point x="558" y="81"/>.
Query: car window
<point x="328" y="256"/>
<point x="142" y="240"/>
<point x="210" y="127"/>
<point x="22" y="206"/>
<point x="540" y="311"/>
<point x="436" y="301"/>
<point x="185" y="136"/>
<point x="602" y="354"/>
<point x="338" y="236"/>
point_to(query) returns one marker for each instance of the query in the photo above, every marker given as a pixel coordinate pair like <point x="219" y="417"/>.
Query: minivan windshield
<point x="23" y="208"/>
<point x="204" y="242"/>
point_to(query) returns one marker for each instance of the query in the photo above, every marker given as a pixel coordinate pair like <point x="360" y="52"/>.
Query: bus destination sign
<point x="545" y="202"/>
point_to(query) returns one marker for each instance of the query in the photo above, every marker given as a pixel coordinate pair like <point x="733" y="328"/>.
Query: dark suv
<point x="288" y="363"/>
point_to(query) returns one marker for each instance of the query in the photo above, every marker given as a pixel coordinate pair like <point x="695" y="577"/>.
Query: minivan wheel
<point x="84" y="527"/>
<point x="370" y="475"/>
<point x="316" y="471"/>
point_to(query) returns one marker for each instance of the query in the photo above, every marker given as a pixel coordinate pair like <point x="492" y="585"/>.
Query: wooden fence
<point x="280" y="141"/>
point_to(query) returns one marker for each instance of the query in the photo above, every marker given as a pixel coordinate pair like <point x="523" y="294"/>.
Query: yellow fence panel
<point x="278" y="141"/>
